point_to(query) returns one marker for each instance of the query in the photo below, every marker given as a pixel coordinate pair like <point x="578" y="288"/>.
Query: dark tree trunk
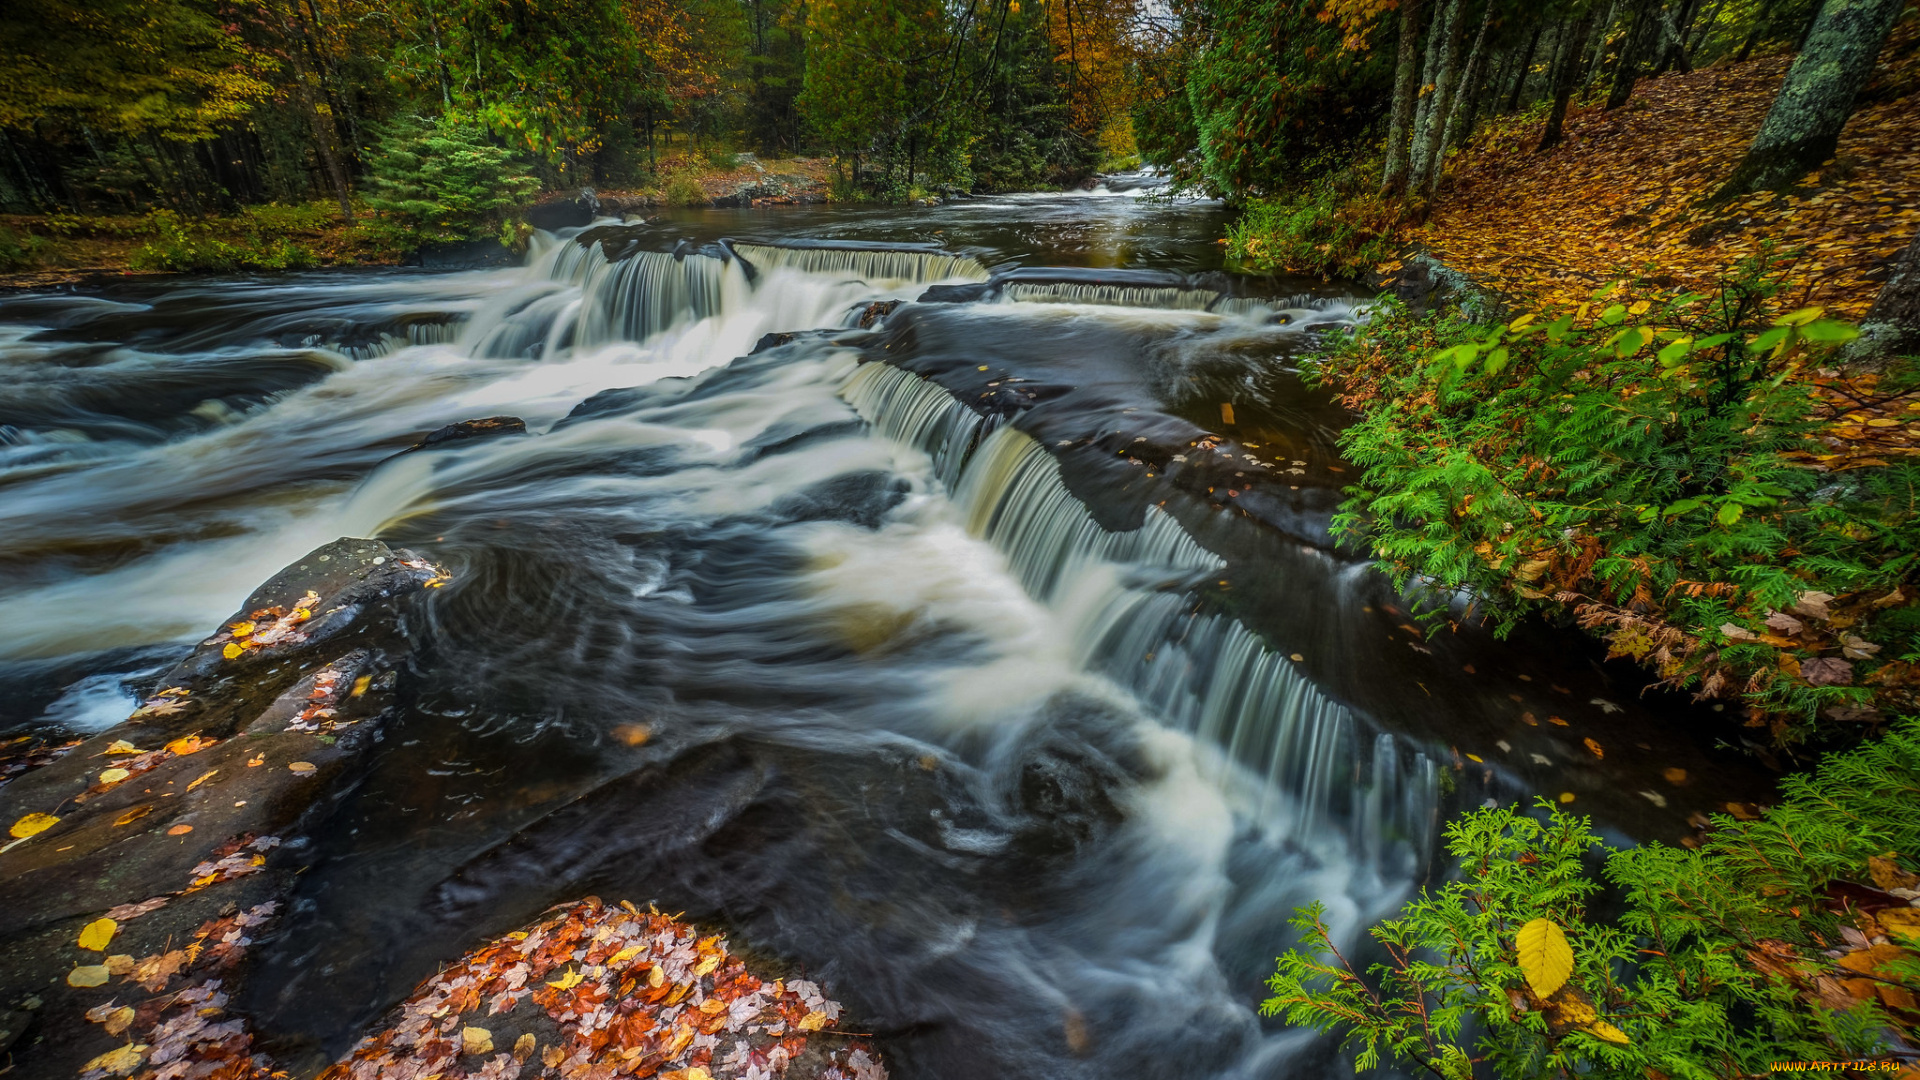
<point x="1566" y="81"/>
<point x="1526" y="62"/>
<point x="1406" y="74"/>
<point x="1673" y="44"/>
<point x="1460" y="112"/>
<point x="1802" y="129"/>
<point x="1626" y="69"/>
<point x="1892" y="325"/>
<point x="1427" y="148"/>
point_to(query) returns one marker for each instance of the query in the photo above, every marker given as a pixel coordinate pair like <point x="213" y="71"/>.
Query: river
<point x="990" y="661"/>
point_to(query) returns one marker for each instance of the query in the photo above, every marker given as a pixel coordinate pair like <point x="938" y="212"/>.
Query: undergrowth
<point x="1339" y="226"/>
<point x="1762" y="945"/>
<point x="1653" y="469"/>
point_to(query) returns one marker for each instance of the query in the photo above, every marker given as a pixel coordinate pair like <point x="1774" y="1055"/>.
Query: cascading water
<point x="1015" y="784"/>
<point x="1205" y="674"/>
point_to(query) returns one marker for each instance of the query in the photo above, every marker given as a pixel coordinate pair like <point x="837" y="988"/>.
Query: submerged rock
<point x="470" y="429"/>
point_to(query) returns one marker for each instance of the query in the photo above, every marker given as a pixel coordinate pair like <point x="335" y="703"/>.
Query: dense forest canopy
<point x="205" y="104"/>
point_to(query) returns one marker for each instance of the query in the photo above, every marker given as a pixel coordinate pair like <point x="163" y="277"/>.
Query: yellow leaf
<point x="302" y="767"/>
<point x="113" y="776"/>
<point x="89" y="975"/>
<point x="656" y="976"/>
<point x="1545" y="956"/>
<point x="813" y="1021"/>
<point x="122" y="746"/>
<point x="623" y="956"/>
<point x="360" y="685"/>
<point x="188" y="744"/>
<point x="241" y="629"/>
<point x="97" y="933"/>
<point x="118" y="1020"/>
<point x="707" y="965"/>
<point x="232" y="650"/>
<point x="31" y="825"/>
<point x="523" y="1048"/>
<point x="119" y="1062"/>
<point x="202" y="778"/>
<point x="133" y="815"/>
<point x="1606" y="1032"/>
<point x="568" y="981"/>
<point x="476" y="1040"/>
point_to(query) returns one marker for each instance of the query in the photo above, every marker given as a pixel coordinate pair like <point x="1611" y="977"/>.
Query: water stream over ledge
<point x="1025" y="740"/>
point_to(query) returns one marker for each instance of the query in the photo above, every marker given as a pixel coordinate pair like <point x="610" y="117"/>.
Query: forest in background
<point x="205" y="106"/>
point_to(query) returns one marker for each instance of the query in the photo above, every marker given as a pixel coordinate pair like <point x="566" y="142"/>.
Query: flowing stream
<point x="857" y="630"/>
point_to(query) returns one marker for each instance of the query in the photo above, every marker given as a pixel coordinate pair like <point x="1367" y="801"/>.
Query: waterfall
<point x="1205" y="673"/>
<point x="1110" y="295"/>
<point x="868" y="263"/>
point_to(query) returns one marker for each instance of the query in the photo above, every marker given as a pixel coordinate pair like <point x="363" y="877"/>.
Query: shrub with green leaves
<point x="1337" y="225"/>
<point x="447" y="180"/>
<point x="1727" y="957"/>
<point x="1653" y="468"/>
<point x="255" y="241"/>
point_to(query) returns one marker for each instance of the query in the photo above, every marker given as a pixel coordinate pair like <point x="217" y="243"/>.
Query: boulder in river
<point x="487" y="428"/>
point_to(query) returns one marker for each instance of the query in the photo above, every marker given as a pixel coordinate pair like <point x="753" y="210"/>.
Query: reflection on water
<point x="968" y="730"/>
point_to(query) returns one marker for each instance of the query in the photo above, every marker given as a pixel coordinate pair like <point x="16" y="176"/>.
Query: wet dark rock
<point x="616" y="241"/>
<point x="465" y="430"/>
<point x="565" y="213"/>
<point x="318" y="699"/>
<point x="463" y="255"/>
<point x="876" y="311"/>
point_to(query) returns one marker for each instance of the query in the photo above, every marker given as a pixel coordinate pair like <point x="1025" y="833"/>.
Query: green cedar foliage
<point x="1721" y="963"/>
<point x="1649" y="467"/>
<point x="444" y="179"/>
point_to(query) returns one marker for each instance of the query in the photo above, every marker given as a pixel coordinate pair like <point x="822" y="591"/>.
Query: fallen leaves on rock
<point x="185" y="1034"/>
<point x="238" y="857"/>
<point x="32" y="825"/>
<point x="22" y="753"/>
<point x="634" y="993"/>
<point x="266" y="628"/>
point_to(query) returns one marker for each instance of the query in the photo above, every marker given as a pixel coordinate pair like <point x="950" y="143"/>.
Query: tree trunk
<point x="1599" y="55"/>
<point x="1673" y="45"/>
<point x="319" y="115"/>
<point x="1460" y="115"/>
<point x="1626" y="69"/>
<point x="1566" y="82"/>
<point x="1427" y="148"/>
<point x="1526" y="62"/>
<point x="1405" y="88"/>
<point x="1429" y="71"/>
<point x="1803" y="127"/>
<point x="1892" y="325"/>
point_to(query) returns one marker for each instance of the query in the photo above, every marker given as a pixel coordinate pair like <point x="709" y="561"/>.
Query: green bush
<point x="1727" y="958"/>
<point x="19" y="250"/>
<point x="1338" y="226"/>
<point x="683" y="189"/>
<point x="444" y="179"/>
<point x="181" y="247"/>
<point x="1654" y="469"/>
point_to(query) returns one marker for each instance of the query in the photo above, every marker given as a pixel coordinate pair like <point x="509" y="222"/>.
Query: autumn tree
<point x="169" y="68"/>
<point x="1803" y="126"/>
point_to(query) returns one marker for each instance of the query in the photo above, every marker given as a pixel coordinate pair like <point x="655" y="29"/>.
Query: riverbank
<point x="41" y="250"/>
<point x="1747" y="490"/>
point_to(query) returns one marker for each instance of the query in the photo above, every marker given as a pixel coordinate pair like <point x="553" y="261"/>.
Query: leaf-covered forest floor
<point x="1626" y="193"/>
